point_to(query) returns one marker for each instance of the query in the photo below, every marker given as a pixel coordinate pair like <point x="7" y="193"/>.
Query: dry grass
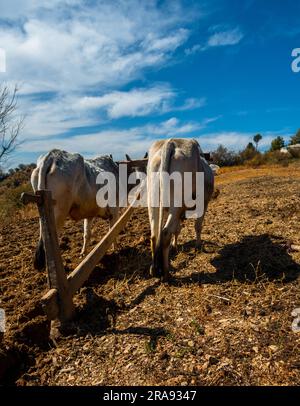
<point x="223" y="319"/>
<point x="238" y="173"/>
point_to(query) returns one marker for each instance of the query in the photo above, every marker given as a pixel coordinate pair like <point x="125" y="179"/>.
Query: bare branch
<point x="9" y="126"/>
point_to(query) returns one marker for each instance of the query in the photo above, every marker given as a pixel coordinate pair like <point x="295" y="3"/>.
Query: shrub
<point x="257" y="160"/>
<point x="224" y="157"/>
<point x="277" y="144"/>
<point x="248" y="153"/>
<point x="295" y="139"/>
<point x="10" y="201"/>
<point x="276" y="157"/>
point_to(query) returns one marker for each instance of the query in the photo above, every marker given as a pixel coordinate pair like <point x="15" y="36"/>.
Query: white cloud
<point x="223" y="38"/>
<point x="136" y="102"/>
<point x="193" y="50"/>
<point x="191" y="103"/>
<point x="60" y="114"/>
<point x="171" y="42"/>
<point x="74" y="49"/>
<point x="53" y="117"/>
<point x="218" y="39"/>
<point x="172" y="127"/>
<point x="139" y="102"/>
<point x="74" y="45"/>
<point x="135" y="140"/>
<point x="232" y="140"/>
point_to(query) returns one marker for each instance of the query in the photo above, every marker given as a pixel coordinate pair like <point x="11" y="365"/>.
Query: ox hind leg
<point x="161" y="262"/>
<point x="154" y="223"/>
<point x="175" y="238"/>
<point x="87" y="232"/>
<point x="198" y="229"/>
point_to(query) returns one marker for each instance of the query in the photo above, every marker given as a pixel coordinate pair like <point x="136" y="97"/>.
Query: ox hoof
<point x="173" y="249"/>
<point x="152" y="271"/>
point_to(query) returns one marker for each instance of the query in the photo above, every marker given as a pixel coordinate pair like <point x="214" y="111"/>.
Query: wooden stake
<point x="56" y="273"/>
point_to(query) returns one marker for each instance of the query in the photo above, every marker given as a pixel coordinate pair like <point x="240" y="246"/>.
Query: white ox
<point x="72" y="181"/>
<point x="169" y="156"/>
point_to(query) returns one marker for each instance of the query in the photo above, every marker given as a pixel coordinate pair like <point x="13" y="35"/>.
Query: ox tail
<point x="39" y="262"/>
<point x="44" y="169"/>
<point x="166" y="156"/>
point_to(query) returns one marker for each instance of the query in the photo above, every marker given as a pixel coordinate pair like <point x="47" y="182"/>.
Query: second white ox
<point x="170" y="156"/>
<point x="72" y="181"/>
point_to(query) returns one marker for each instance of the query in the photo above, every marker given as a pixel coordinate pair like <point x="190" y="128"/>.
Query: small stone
<point x="213" y="360"/>
<point x="86" y="347"/>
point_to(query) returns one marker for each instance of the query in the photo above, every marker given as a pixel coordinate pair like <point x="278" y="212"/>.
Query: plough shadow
<point x="98" y="318"/>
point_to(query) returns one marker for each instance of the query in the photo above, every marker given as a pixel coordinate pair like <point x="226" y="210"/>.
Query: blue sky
<point x="101" y="77"/>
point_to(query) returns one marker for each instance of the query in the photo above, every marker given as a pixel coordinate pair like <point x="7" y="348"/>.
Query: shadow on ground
<point x="263" y="256"/>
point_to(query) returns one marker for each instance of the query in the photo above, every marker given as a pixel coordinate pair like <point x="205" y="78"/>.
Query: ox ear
<point x="207" y="156"/>
<point x="128" y="157"/>
<point x="146" y="155"/>
<point x="110" y="155"/>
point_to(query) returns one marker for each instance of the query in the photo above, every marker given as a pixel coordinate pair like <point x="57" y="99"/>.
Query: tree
<point x="224" y="157"/>
<point x="295" y="139"/>
<point x="256" y="140"/>
<point x="2" y="175"/>
<point x="277" y="144"/>
<point x="250" y="147"/>
<point x="248" y="153"/>
<point x="9" y="125"/>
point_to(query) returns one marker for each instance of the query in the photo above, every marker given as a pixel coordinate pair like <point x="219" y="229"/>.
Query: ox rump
<point x="173" y="156"/>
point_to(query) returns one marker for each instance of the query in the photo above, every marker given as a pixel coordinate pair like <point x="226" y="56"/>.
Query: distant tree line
<point x="222" y="156"/>
<point x="19" y="168"/>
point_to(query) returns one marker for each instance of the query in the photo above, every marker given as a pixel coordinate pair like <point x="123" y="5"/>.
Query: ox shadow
<point x="261" y="256"/>
<point x="190" y="248"/>
<point x="123" y="264"/>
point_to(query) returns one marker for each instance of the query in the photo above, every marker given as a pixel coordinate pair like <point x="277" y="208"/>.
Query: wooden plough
<point x="58" y="301"/>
